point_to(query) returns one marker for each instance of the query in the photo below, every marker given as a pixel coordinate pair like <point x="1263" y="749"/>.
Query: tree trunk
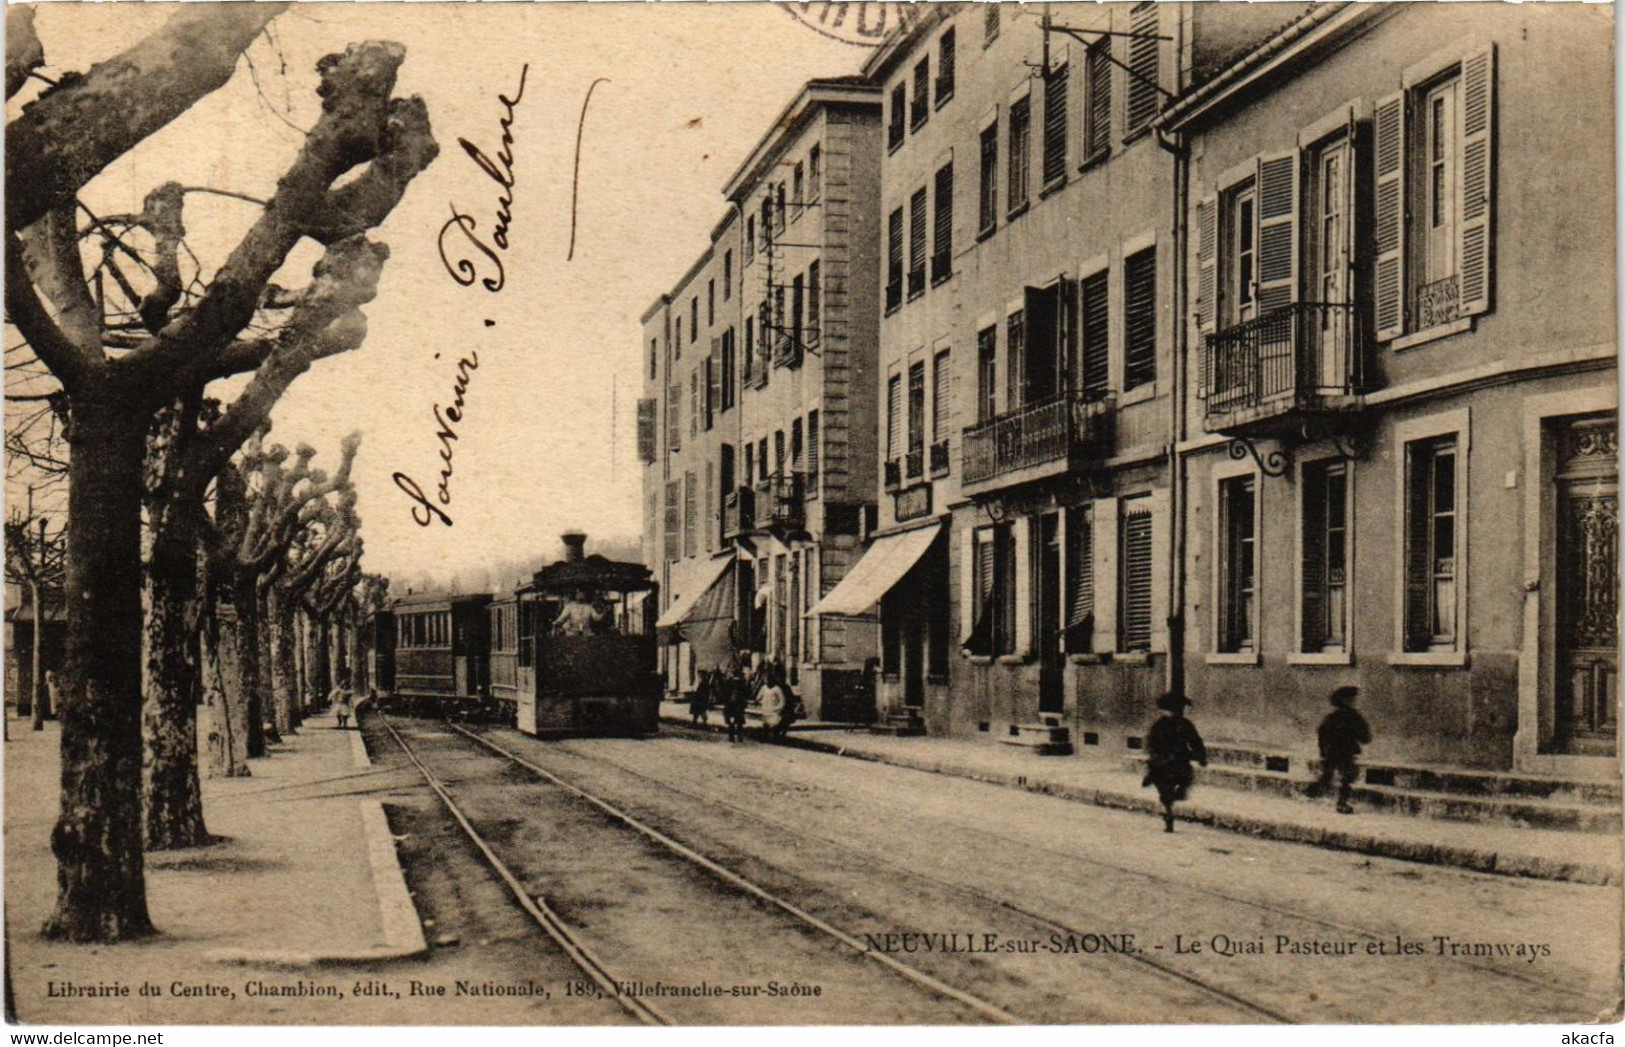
<point x="101" y="890"/>
<point x="284" y="681"/>
<point x="321" y="683"/>
<point x="224" y="694"/>
<point x="174" y="805"/>
<point x="37" y="683"/>
<point x="250" y="630"/>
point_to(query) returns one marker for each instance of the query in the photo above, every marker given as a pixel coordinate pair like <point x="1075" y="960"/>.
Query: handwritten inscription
<point x="466" y="250"/>
<point x="425" y="510"/>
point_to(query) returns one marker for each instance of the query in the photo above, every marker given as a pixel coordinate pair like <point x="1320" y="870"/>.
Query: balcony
<point x="1036" y="441"/>
<point x="738" y="513"/>
<point x="786" y="350"/>
<point x="914" y="463"/>
<point x="1267" y="377"/>
<point x="939" y="458"/>
<point x="779" y="502"/>
<point x="894" y="474"/>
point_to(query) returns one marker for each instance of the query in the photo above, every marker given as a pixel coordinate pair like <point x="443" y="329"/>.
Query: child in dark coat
<point x="736" y="695"/>
<point x="1342" y="733"/>
<point x="1171" y="745"/>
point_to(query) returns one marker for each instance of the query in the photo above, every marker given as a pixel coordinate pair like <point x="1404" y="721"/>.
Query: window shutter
<point x="1388" y="223"/>
<point x="711" y="515"/>
<point x="1143" y="47"/>
<point x="674" y="520"/>
<point x="1104" y="520"/>
<point x="812" y="450"/>
<point x="1277" y="231"/>
<point x="1418" y="550"/>
<point x="1140" y="319"/>
<point x="646" y="430"/>
<point x="941" y="406"/>
<point x="1098" y="116"/>
<point x="894" y="416"/>
<point x="1081" y="576"/>
<point x="967" y="581"/>
<point x="1096" y="330"/>
<point x="1477" y="126"/>
<point x="942" y="251"/>
<point x="1055" y="88"/>
<point x="1134" y="614"/>
<point x="1312" y="621"/>
<point x="1207" y="262"/>
<point x="690" y="515"/>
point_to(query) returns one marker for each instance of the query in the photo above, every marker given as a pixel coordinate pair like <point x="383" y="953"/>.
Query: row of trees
<point x="193" y="551"/>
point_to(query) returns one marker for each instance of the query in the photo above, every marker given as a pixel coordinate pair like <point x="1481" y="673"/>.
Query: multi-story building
<point x="1400" y="437"/>
<point x="1027" y="367"/>
<point x="757" y="491"/>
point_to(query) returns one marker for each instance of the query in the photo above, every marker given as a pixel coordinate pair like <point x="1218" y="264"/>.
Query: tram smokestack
<point x="575" y="544"/>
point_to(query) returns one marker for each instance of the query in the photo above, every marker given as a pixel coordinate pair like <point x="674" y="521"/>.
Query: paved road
<point x="1050" y="910"/>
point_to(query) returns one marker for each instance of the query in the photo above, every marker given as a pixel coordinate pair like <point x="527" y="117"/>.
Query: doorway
<point x="1051" y="652"/>
<point x="1587" y="636"/>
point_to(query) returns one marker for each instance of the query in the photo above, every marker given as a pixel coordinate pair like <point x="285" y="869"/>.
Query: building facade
<point x="1400" y="444"/>
<point x="760" y="444"/>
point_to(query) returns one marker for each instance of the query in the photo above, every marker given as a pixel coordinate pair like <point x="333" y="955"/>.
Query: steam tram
<point x="572" y="651"/>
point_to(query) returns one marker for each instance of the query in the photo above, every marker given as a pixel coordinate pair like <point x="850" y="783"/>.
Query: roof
<point x="419" y="601"/>
<point x="594" y="573"/>
<point x="902" y="39"/>
<point x="814" y="95"/>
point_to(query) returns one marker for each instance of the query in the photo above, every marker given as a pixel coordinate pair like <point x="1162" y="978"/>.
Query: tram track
<point x="587" y="958"/>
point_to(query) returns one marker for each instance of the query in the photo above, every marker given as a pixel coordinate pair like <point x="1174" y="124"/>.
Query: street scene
<point x="942" y="514"/>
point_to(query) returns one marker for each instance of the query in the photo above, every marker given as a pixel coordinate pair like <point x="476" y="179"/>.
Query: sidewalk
<point x="1579" y="857"/>
<point x="304" y="874"/>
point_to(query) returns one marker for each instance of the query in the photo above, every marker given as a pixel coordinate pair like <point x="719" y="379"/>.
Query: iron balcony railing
<point x="1056" y="428"/>
<point x="914" y="463"/>
<point x="779" y="501"/>
<point x="894" y="473"/>
<point x="939" y="458"/>
<point x="1288" y="358"/>
<point x="738" y="512"/>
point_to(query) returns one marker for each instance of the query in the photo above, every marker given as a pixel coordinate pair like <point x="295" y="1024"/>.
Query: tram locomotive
<point x="570" y="652"/>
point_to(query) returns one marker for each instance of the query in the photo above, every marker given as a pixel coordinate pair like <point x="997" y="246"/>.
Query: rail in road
<point x="587" y="957"/>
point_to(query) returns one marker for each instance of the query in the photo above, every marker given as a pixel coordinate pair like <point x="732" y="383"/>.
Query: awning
<point x="883" y="566"/>
<point x="683" y="607"/>
<point x="704" y="619"/>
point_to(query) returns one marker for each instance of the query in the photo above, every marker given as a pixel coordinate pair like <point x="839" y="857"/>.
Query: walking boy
<point x="1171" y="745"/>
<point x="1342" y="733"/>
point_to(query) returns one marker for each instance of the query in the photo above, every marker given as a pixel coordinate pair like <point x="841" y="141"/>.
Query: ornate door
<point x="1588" y="584"/>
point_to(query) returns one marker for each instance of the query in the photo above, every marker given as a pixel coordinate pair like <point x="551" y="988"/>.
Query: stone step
<point x="1045" y="739"/>
<point x="1556" y="812"/>
<point x="900" y="723"/>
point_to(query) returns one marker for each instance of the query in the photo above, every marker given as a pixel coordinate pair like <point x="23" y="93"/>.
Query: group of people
<point x="733" y="691"/>
<point x="1173" y="744"/>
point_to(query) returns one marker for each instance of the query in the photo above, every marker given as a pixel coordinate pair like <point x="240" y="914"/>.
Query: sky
<point x="547" y="440"/>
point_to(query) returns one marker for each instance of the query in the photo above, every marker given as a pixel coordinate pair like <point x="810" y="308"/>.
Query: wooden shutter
<point x="812" y="447"/>
<point x="1143" y="47"/>
<point x="1312" y="608"/>
<point x="1103" y="519"/>
<point x="690" y="515"/>
<point x="1418" y="547"/>
<point x="1388" y="221"/>
<point x="1477" y="129"/>
<point x="1055" y="87"/>
<point x="646" y="430"/>
<point x="1134" y="614"/>
<point x="674" y="520"/>
<point x="1277" y="231"/>
<point x="894" y="415"/>
<point x="1095" y="305"/>
<point x="941" y="407"/>
<point x="1140" y="319"/>
<point x="1080" y="561"/>
<point x="943" y="249"/>
<point x="711" y="514"/>
<point x="1099" y="112"/>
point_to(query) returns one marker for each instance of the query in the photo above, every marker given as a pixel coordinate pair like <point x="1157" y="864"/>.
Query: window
<point x="1239" y="301"/>
<point x="989" y="211"/>
<point x="693" y="319"/>
<point x="1326" y="560"/>
<point x="748" y="353"/>
<point x="1238" y="612"/>
<point x="1094" y="302"/>
<point x="1055" y="126"/>
<point x="1080" y="580"/>
<point x="727" y="275"/>
<point x="764" y="324"/>
<point x="1020" y="131"/>
<point x="778" y="221"/>
<point x="767" y="217"/>
<point x="916" y="244"/>
<point x="1143" y="50"/>
<point x="710" y="507"/>
<point x="730" y="378"/>
<point x="674" y="416"/>
<point x="761" y="458"/>
<point x="941" y="403"/>
<point x="654" y="358"/>
<point x="990" y="24"/>
<point x="710" y="303"/>
<point x="1430" y="545"/>
<point x="799" y="187"/>
<point x="1433" y="199"/>
<point x="987" y="374"/>
<point x="691" y="513"/>
<point x="894" y="259"/>
<point x="945" y="66"/>
<point x="1015" y="364"/>
<point x="798" y="308"/>
<point x="993" y="554"/>
<point x="815" y="173"/>
<point x="750" y="238"/>
<point x="894" y="417"/>
<point x="778" y="453"/>
<point x="894" y="127"/>
<point x="812" y="453"/>
<point x="694" y="404"/>
<point x="916" y="420"/>
<point x="942" y="250"/>
<point x="1134" y="576"/>
<point x="674" y="520"/>
<point x="797" y="449"/>
<point x="710" y="386"/>
<point x="814" y="305"/>
<point x="677" y="341"/>
<point x="920" y="107"/>
<point x="1140" y="319"/>
<point x="1097" y="100"/>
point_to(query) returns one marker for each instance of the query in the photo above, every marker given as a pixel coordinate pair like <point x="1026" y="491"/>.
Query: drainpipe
<point x="1174" y="674"/>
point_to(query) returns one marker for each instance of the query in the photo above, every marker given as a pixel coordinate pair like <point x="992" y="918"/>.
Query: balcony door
<point x="1330" y="263"/>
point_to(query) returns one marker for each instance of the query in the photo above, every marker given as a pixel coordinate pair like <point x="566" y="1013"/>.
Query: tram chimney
<point x="574" y="546"/>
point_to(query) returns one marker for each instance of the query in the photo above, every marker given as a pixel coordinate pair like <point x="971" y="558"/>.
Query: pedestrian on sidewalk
<point x="1342" y="733"/>
<point x="735" y="696"/>
<point x="341" y="705"/>
<point x="700" y="698"/>
<point x="1171" y="745"/>
<point x="775" y="698"/>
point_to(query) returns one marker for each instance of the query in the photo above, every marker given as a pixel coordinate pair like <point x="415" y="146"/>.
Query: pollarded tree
<point x="329" y="535"/>
<point x="112" y="388"/>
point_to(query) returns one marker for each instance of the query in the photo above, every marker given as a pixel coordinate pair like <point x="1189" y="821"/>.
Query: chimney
<point x="574" y="546"/>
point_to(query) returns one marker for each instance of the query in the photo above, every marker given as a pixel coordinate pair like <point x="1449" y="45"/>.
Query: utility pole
<point x="36" y="569"/>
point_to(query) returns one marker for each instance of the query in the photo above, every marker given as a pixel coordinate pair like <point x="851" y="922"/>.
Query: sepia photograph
<point x="811" y="514"/>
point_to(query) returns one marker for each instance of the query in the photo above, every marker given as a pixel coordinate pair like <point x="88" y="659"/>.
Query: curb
<point x="1470" y="858"/>
<point x="403" y="932"/>
<point x="358" y="751"/>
